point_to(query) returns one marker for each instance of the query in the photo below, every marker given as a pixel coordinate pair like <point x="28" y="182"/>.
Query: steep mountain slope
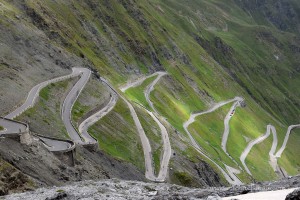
<point x="212" y="50"/>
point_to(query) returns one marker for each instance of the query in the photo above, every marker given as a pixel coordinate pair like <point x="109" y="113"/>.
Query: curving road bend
<point x="230" y="176"/>
<point x="83" y="127"/>
<point x="69" y="103"/>
<point x="11" y="127"/>
<point x="193" y="116"/>
<point x="34" y="93"/>
<point x="145" y="141"/>
<point x="137" y="82"/>
<point x="226" y="122"/>
<point x="149" y="174"/>
<point x="287" y="135"/>
<point x="272" y="154"/>
<point x="55" y="145"/>
<point x="227" y="128"/>
<point x="164" y="165"/>
<point x="150" y="88"/>
<point x="164" y="133"/>
<point x="257" y="141"/>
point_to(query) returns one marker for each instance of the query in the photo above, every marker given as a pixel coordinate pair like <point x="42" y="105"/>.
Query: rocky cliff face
<point x="284" y="14"/>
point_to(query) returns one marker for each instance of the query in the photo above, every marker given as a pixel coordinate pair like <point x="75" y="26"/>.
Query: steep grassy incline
<point x="213" y="50"/>
<point x="45" y="117"/>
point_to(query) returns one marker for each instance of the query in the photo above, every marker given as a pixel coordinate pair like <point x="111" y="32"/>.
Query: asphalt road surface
<point x="55" y="145"/>
<point x="167" y="151"/>
<point x="150" y="88"/>
<point x="11" y="127"/>
<point x="272" y="154"/>
<point x="69" y="102"/>
<point x="34" y="93"/>
<point x="230" y="176"/>
<point x="83" y="127"/>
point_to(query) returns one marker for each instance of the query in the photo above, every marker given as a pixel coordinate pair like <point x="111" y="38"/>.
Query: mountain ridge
<point x="211" y="50"/>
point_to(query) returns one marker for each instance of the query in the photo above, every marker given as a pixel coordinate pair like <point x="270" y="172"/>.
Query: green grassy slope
<point x="290" y="159"/>
<point x="93" y="97"/>
<point x="152" y="131"/>
<point x="44" y="118"/>
<point x="136" y="94"/>
<point x="213" y="50"/>
<point x="116" y="134"/>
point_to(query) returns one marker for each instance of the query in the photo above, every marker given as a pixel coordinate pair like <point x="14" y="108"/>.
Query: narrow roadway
<point x="11" y="127"/>
<point x="83" y="127"/>
<point x="272" y="154"/>
<point x="52" y="144"/>
<point x="227" y="129"/>
<point x="137" y="82"/>
<point x="55" y="145"/>
<point x="287" y="135"/>
<point x="150" y="88"/>
<point x="226" y="122"/>
<point x="230" y="176"/>
<point x="34" y="93"/>
<point x="257" y="141"/>
<point x="167" y="150"/>
<point x="68" y="105"/>
<point x="144" y="139"/>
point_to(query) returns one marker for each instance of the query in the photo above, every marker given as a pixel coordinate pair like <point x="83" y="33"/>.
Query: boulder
<point x="295" y="195"/>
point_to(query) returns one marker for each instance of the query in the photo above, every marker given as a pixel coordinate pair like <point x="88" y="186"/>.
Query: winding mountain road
<point x="83" y="127"/>
<point x="144" y="139"/>
<point x="55" y="145"/>
<point x="226" y="122"/>
<point x="12" y="127"/>
<point x="230" y="176"/>
<point x="34" y="93"/>
<point x="137" y="82"/>
<point x="150" y="88"/>
<point x="272" y="154"/>
<point x="167" y="151"/>
<point x="287" y="135"/>
<point x="69" y="103"/>
<point x="227" y="129"/>
<point x="257" y="141"/>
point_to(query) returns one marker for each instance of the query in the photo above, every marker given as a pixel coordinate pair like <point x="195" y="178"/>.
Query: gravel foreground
<point x="115" y="189"/>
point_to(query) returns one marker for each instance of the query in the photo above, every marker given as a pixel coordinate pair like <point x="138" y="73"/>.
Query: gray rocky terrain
<point x="47" y="170"/>
<point x="120" y="189"/>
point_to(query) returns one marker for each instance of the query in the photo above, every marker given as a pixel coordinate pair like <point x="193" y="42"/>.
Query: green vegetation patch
<point x="95" y="95"/>
<point x="117" y="135"/>
<point x="227" y="53"/>
<point x="208" y="131"/>
<point x="153" y="133"/>
<point x="183" y="178"/>
<point x="288" y="160"/>
<point x="45" y="117"/>
<point x="246" y="125"/>
<point x="136" y="94"/>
